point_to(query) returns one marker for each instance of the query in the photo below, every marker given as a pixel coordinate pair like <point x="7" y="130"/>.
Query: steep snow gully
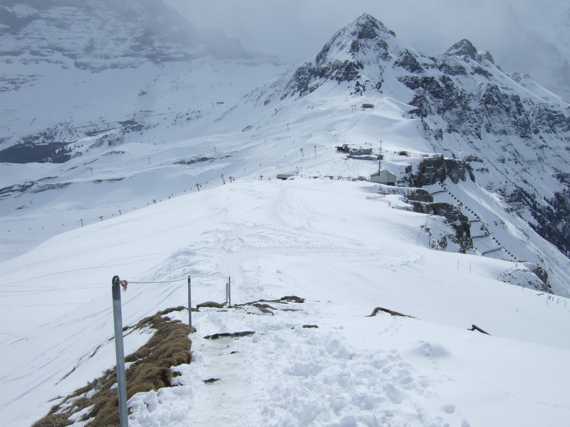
<point x="470" y="331"/>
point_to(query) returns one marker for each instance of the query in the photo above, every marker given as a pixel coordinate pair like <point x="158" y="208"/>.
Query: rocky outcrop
<point x="551" y="216"/>
<point x="454" y="217"/>
<point x="363" y="44"/>
<point x="434" y="170"/>
<point x="59" y="143"/>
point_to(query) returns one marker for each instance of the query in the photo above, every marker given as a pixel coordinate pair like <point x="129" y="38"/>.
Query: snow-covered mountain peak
<point x="362" y="41"/>
<point x="356" y="54"/>
<point x="463" y="48"/>
<point x="466" y="50"/>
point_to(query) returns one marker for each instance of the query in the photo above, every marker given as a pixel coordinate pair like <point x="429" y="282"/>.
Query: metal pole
<point x="229" y="291"/>
<point x="190" y="302"/>
<point x="226" y="293"/>
<point x="120" y="352"/>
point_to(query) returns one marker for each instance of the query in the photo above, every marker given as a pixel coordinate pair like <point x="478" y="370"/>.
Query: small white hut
<point x="383" y="177"/>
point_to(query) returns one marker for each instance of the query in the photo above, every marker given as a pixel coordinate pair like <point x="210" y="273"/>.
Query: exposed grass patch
<point x="150" y="369"/>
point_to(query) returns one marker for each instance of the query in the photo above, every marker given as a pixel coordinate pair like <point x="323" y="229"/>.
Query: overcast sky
<point x="296" y="29"/>
<point x="524" y="35"/>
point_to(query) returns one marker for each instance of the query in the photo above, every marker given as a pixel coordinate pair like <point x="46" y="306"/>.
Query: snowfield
<point x="343" y="247"/>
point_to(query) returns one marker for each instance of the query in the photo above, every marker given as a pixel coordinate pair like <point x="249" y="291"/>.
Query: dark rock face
<point x="420" y="195"/>
<point x="308" y="77"/>
<point x="28" y="152"/>
<point x="552" y="216"/>
<point x="53" y="144"/>
<point x="452" y="69"/>
<point x="493" y="111"/>
<point x="454" y="217"/>
<point x="554" y="221"/>
<point x="463" y="48"/>
<point x="542" y="275"/>
<point x="343" y="59"/>
<point x="409" y="62"/>
<point x="438" y="169"/>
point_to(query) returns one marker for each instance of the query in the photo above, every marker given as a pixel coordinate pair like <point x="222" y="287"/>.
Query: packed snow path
<point x="290" y="375"/>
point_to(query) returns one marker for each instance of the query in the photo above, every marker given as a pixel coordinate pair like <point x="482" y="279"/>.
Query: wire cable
<point x="162" y="282"/>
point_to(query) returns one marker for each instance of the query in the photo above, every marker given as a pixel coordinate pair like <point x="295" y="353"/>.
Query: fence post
<point x="229" y="291"/>
<point x="190" y="303"/>
<point x="120" y="352"/>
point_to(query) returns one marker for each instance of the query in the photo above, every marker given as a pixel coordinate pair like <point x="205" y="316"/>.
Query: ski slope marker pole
<point x="120" y="352"/>
<point x="190" y="302"/>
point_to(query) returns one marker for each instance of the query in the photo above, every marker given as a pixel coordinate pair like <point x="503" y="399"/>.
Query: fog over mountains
<point x="524" y="35"/>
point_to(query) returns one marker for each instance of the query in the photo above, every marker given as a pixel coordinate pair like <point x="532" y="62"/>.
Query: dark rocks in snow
<point x="56" y="144"/>
<point x="532" y="277"/>
<point x="131" y="125"/>
<point x="553" y="220"/>
<point x="463" y="48"/>
<point x="498" y="107"/>
<point x="452" y="69"/>
<point x="454" y="217"/>
<point x="482" y="72"/>
<point x="475" y="328"/>
<point x="552" y="216"/>
<point x="14" y="190"/>
<point x="293" y="299"/>
<point x="409" y="62"/>
<point x="550" y="121"/>
<point x="419" y="195"/>
<point x="388" y="311"/>
<point x="211" y="304"/>
<point x="487" y="56"/>
<point x="491" y="110"/>
<point x="264" y="308"/>
<point x="309" y="77"/>
<point x="229" y="335"/>
<point x="542" y="275"/>
<point x="28" y="152"/>
<point x="434" y="170"/>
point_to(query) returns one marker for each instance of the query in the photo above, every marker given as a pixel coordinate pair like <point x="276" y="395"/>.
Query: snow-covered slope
<point x="451" y="246"/>
<point x="340" y="245"/>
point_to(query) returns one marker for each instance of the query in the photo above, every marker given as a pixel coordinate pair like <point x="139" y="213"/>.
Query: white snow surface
<point x="338" y="244"/>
